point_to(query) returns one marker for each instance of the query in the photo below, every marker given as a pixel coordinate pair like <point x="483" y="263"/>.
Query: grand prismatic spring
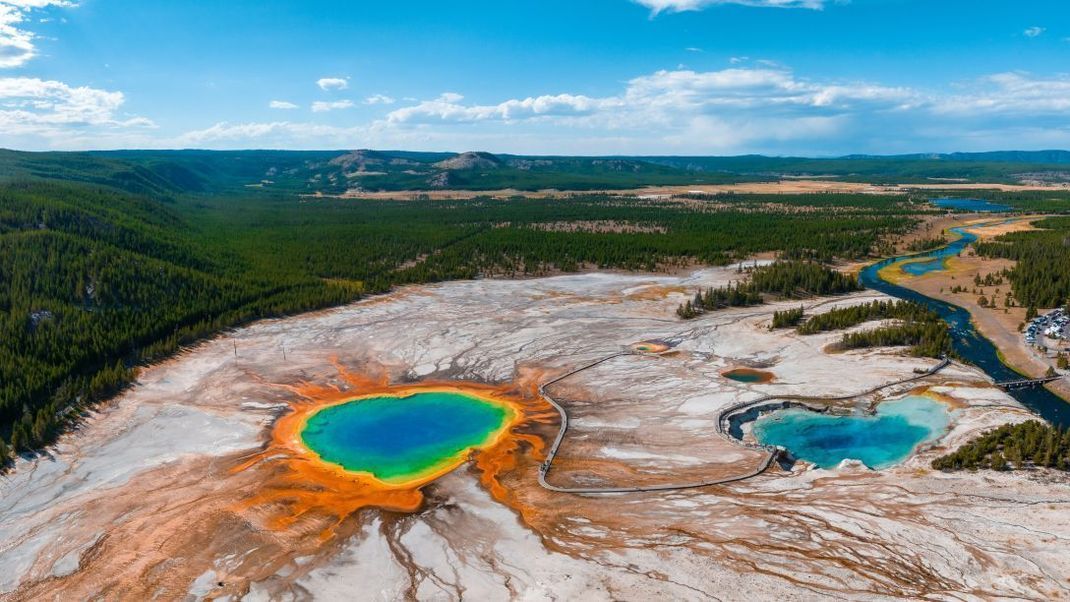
<point x="400" y="439"/>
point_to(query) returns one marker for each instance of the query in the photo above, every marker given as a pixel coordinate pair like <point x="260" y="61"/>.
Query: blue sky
<point x="811" y="77"/>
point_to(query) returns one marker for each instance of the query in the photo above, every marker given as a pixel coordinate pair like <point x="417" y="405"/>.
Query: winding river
<point x="967" y="342"/>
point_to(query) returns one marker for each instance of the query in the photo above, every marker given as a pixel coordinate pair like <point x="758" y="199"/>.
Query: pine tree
<point x="42" y="426"/>
<point x="998" y="462"/>
<point x="19" y="440"/>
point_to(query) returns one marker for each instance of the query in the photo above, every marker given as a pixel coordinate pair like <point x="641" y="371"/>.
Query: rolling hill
<point x="172" y="172"/>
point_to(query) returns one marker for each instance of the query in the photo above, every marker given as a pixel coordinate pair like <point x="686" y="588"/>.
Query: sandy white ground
<point x="140" y="501"/>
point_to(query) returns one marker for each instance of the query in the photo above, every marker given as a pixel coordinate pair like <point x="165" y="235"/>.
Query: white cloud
<point x="447" y="108"/>
<point x="379" y="99"/>
<point x="1014" y="93"/>
<point x="758" y="109"/>
<point x="54" y="112"/>
<point x="333" y="83"/>
<point x="1033" y="32"/>
<point x="658" y="6"/>
<point x="27" y="4"/>
<point x="235" y="132"/>
<point x="16" y="43"/>
<point x="663" y="95"/>
<point x="282" y="104"/>
<point x="274" y="134"/>
<point x="322" y="107"/>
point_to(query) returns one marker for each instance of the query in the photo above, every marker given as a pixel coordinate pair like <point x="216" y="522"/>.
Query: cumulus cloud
<point x="322" y="107"/>
<point x="16" y="42"/>
<point x="763" y="109"/>
<point x="448" y="108"/>
<point x="333" y="83"/>
<point x="660" y="96"/>
<point x="658" y="6"/>
<point x="54" y="112"/>
<point x="1033" y="32"/>
<point x="276" y="134"/>
<point x="754" y="88"/>
<point x="236" y="131"/>
<point x="1016" y="93"/>
<point x="379" y="99"/>
<point x="29" y="102"/>
<point x="282" y="104"/>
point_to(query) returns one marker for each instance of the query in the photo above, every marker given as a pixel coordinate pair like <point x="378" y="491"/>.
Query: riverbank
<point x="997" y="323"/>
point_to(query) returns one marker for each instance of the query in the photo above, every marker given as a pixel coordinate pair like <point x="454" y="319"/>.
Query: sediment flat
<point x="785" y="186"/>
<point x="174" y="489"/>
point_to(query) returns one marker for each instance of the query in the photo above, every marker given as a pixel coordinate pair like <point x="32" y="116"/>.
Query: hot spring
<point x="400" y="439"/>
<point x="879" y="441"/>
<point x="748" y="375"/>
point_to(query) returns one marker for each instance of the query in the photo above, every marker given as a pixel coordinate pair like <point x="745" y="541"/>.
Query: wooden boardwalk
<point x="722" y="420"/>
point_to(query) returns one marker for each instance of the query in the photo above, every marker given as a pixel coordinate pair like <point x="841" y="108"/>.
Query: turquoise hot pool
<point x="405" y="439"/>
<point x="879" y="441"/>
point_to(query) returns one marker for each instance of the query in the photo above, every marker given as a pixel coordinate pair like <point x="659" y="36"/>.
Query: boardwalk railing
<point x="722" y="420"/>
<point x="1028" y="382"/>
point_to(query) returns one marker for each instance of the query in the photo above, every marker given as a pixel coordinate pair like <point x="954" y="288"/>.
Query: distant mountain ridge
<point x="1050" y="157"/>
<point x="170" y="172"/>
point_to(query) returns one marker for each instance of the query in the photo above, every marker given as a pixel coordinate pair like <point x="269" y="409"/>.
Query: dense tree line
<point x="787" y="319"/>
<point x="796" y="279"/>
<point x="783" y="279"/>
<point x="734" y="295"/>
<point x="1040" y="278"/>
<point x="926" y="244"/>
<point x="926" y="339"/>
<point x="1012" y="446"/>
<point x="95" y="282"/>
<point x="846" y="317"/>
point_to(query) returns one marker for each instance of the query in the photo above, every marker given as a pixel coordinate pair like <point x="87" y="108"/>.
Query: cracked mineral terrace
<point x="183" y="487"/>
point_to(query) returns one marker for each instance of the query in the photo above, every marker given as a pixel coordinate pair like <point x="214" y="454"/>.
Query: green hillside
<point x="95" y="281"/>
<point x="111" y="260"/>
<point x="172" y="172"/>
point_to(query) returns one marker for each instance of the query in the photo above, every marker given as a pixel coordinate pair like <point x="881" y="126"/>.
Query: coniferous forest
<point x="1029" y="444"/>
<point x="918" y="327"/>
<point x="1041" y="277"/>
<point x="782" y="279"/>
<point x="96" y="280"/>
<point x="846" y="317"/>
<point x="925" y="339"/>
<point x="111" y="261"/>
<point x="788" y="318"/>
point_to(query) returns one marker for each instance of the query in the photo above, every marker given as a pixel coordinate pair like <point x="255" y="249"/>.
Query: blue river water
<point x="971" y="205"/>
<point x="967" y="342"/>
<point x="933" y="261"/>
<point x="881" y="440"/>
<point x="899" y="427"/>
